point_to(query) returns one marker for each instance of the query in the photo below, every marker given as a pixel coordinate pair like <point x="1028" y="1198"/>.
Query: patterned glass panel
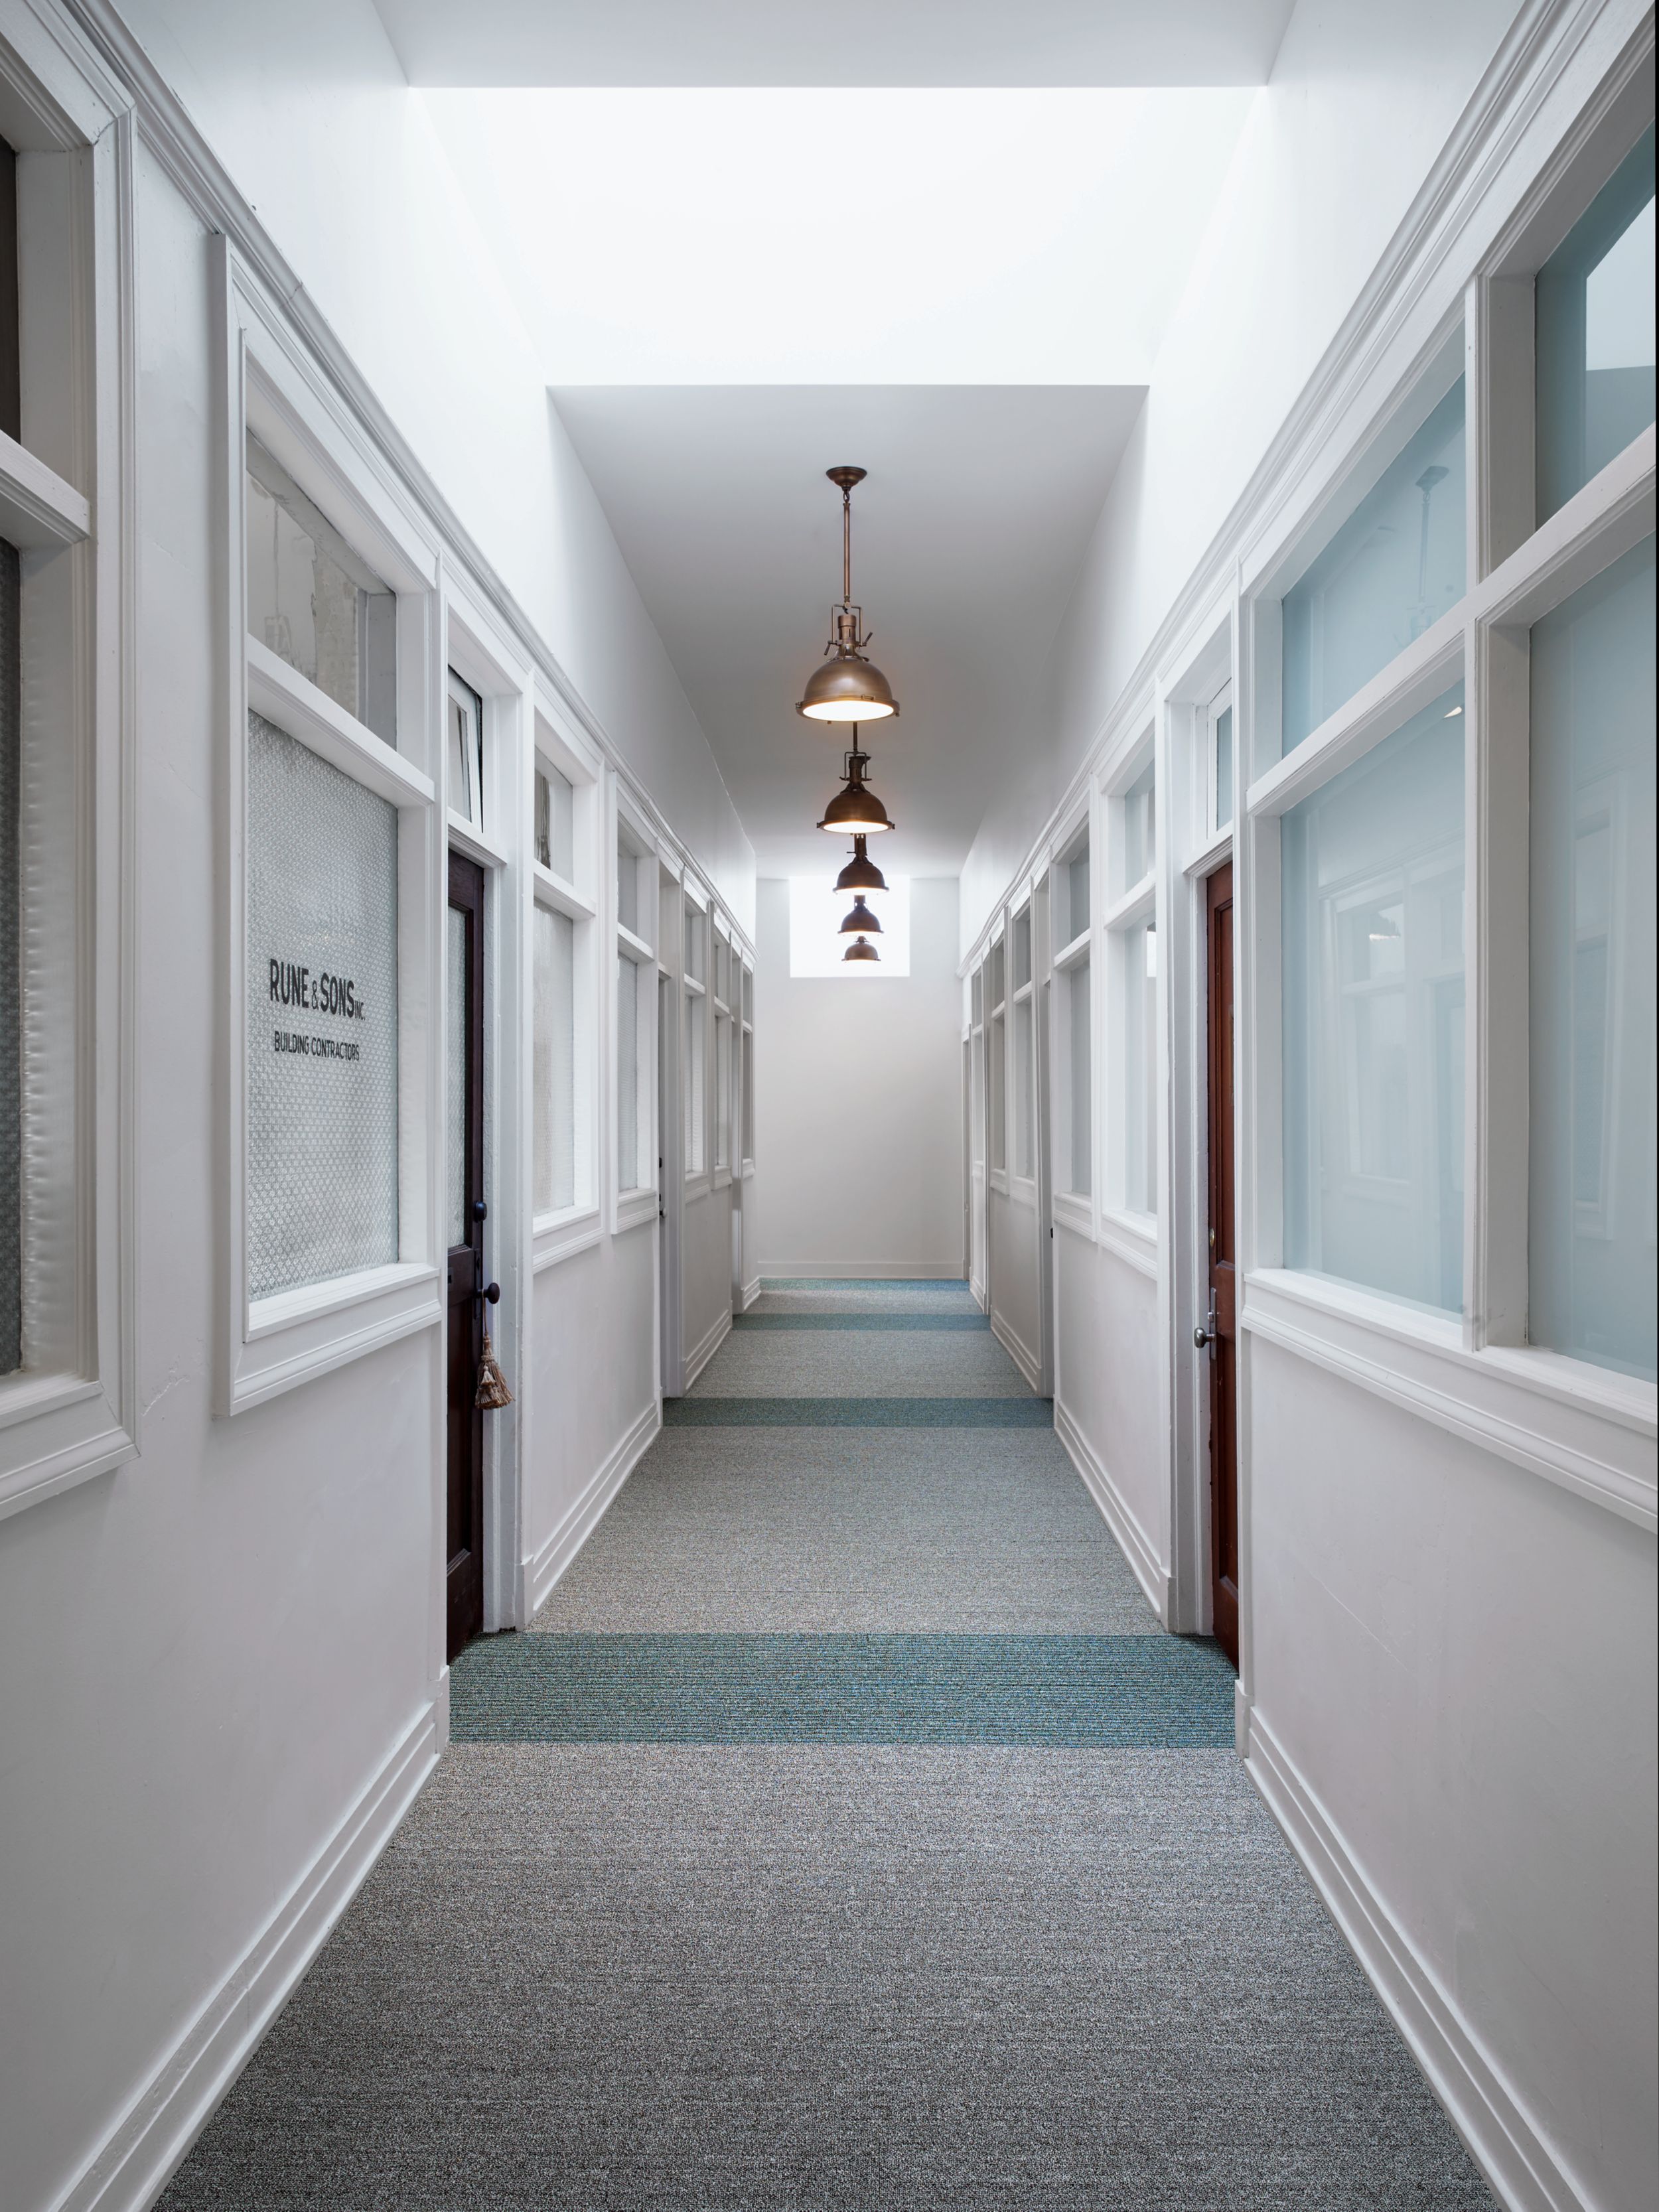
<point x="628" y="1075"/>
<point x="322" y="1018"/>
<point x="556" y="1073"/>
<point x="11" y="1041"/>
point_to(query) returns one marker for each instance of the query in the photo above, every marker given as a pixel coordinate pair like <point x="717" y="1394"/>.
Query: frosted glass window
<point x="1224" y="768"/>
<point x="1592" y="1227"/>
<point x="1373" y="1010"/>
<point x="555" y="1040"/>
<point x="696" y="1079"/>
<point x="322" y="1018"/>
<point x="314" y="602"/>
<point x="695" y="927"/>
<point x="1082" y="1131"/>
<point x="722" y="1091"/>
<point x="748" y="994"/>
<point x="1140" y="804"/>
<point x="999" y="1070"/>
<point x="998" y="972"/>
<point x="1595" y="310"/>
<point x="1139" y="1068"/>
<point x="748" y="1099"/>
<point x="463" y="723"/>
<point x="1024" y="1150"/>
<point x="1076" y="895"/>
<point x="627" y="889"/>
<point x="1395" y="567"/>
<point x="628" y="1075"/>
<point x="556" y="821"/>
<point x="11" y="1036"/>
<point x="977" y="998"/>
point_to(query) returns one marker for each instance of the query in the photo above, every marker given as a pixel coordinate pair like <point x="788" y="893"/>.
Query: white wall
<point x="223" y="1661"/>
<point x="858" y="1104"/>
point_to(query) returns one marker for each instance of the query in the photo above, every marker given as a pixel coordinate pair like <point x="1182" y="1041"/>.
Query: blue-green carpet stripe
<point x="829" y="1285"/>
<point x="1074" y="1692"/>
<point x="937" y="1322"/>
<point x="715" y="1412"/>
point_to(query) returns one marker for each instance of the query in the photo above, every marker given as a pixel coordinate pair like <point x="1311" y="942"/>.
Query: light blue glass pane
<point x="1592" y="1218"/>
<point x="1224" y="768"/>
<point x="1395" y="567"/>
<point x="1083" y="1146"/>
<point x="1373" y="952"/>
<point x="1595" y="324"/>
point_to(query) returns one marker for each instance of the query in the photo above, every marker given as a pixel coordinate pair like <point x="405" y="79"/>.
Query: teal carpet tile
<point x="943" y="1321"/>
<point x="1075" y="1692"/>
<point x="713" y="1412"/>
<point x="829" y="1284"/>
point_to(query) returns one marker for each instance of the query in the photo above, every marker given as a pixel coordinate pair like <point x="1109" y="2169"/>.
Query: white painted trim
<point x="146" y="2145"/>
<point x="751" y="1291"/>
<point x="1018" y="1349"/>
<point x="707" y="1346"/>
<point x="1114" y="1510"/>
<point x="1122" y="1234"/>
<point x="551" y="1558"/>
<point x="1600" y="1446"/>
<point x="863" y="1271"/>
<point x="1479" y="2100"/>
<point x="37" y="507"/>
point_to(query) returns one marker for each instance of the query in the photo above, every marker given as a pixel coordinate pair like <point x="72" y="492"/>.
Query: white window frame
<point x="71" y="1411"/>
<point x="563" y="1231"/>
<point x="1128" y="908"/>
<point x="271" y="386"/>
<point x="639" y="1203"/>
<point x="1075" y="968"/>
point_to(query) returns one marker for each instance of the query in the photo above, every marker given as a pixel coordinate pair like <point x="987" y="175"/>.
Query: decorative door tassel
<point x="492" y="1383"/>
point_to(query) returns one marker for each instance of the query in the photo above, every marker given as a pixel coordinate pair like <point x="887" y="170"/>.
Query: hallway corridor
<point x="845" y="1833"/>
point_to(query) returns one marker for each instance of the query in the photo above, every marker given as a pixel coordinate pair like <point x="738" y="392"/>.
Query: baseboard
<point x="144" y="2147"/>
<point x="751" y="1292"/>
<point x="1132" y="1540"/>
<point x="551" y="1560"/>
<point x="976" y="1291"/>
<point x="701" y="1352"/>
<point x="866" y="1271"/>
<point x="1014" y="1345"/>
<point x="1510" y="2149"/>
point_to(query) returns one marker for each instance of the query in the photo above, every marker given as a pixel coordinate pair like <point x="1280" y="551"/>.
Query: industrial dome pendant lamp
<point x="861" y="921"/>
<point x="855" y="807"/>
<point x="861" y="874"/>
<point x="847" y="688"/>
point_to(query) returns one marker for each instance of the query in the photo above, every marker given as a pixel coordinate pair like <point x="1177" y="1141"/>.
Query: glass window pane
<point x="1395" y="566"/>
<point x="978" y="999"/>
<point x="748" y="1099"/>
<point x="722" y="1091"/>
<point x="1022" y="949"/>
<point x="1592" y="1222"/>
<point x="11" y="1036"/>
<point x="555" y="826"/>
<point x="314" y="602"/>
<point x="998" y="969"/>
<point x="998" y="1092"/>
<point x="696" y="1077"/>
<point x="1139" y="826"/>
<point x="1224" y="768"/>
<point x="455" y="1080"/>
<point x="1082" y="1128"/>
<point x="1595" y="334"/>
<point x="1373" y="952"/>
<point x="627" y="889"/>
<point x="1024" y="1161"/>
<point x="465" y="724"/>
<point x="1139" y="1068"/>
<point x="628" y="1075"/>
<point x="554" y="1012"/>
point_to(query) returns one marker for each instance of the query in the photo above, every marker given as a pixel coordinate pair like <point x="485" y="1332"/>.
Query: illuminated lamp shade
<point x="861" y="874"/>
<point x="861" y="921"/>
<point x="855" y="807"/>
<point x="860" y="949"/>
<point x="847" y="688"/>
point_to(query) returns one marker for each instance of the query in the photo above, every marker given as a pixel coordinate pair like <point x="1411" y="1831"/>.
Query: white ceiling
<point x="859" y="43"/>
<point x="967" y="536"/>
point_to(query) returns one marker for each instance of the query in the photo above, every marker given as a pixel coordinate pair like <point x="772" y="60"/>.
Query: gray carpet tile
<point x="618" y="1979"/>
<point x="851" y="1529"/>
<point x="829" y="1364"/>
<point x="804" y="1295"/>
<point x="863" y="1324"/>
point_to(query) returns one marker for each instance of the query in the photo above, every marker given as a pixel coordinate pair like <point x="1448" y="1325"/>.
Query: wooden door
<point x="468" y="1217"/>
<point x="1222" y="1323"/>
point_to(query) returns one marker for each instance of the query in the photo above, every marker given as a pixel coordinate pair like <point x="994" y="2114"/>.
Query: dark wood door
<point x="1222" y="1276"/>
<point x="467" y="1217"/>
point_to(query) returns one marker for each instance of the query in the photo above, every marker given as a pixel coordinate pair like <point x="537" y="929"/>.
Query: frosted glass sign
<point x="1373" y="948"/>
<point x="314" y="602"/>
<point x="1395" y="566"/>
<point x="322" y="1019"/>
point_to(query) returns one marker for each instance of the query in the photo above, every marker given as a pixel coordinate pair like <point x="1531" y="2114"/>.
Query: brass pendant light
<point x="860" y="949"/>
<point x="847" y="688"/>
<point x="855" y="807"/>
<point x="861" y="921"/>
<point x="861" y="874"/>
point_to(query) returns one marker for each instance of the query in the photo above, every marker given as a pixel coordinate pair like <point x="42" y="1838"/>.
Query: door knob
<point x="1205" y="1334"/>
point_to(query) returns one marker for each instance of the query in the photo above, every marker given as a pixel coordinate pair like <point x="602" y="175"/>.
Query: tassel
<point x="492" y="1383"/>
